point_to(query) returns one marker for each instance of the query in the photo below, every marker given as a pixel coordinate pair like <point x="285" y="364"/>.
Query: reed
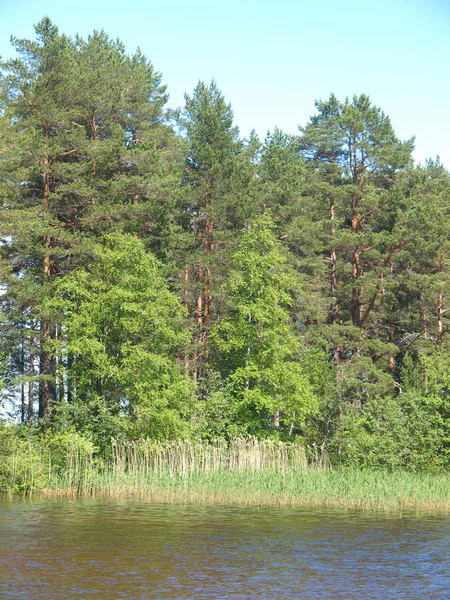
<point x="245" y="471"/>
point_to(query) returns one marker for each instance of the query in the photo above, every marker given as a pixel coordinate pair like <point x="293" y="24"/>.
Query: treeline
<point x="164" y="278"/>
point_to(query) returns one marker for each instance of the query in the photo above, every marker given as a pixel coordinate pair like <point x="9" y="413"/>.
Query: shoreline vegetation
<point x="244" y="472"/>
<point x="164" y="278"/>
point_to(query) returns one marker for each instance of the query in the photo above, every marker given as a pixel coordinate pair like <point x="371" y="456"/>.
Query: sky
<point x="273" y="59"/>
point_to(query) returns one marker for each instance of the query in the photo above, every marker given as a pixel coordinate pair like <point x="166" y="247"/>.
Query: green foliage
<point x="437" y="389"/>
<point x="67" y="449"/>
<point x="259" y="353"/>
<point x="22" y="466"/>
<point x="243" y="471"/>
<point x="136" y="300"/>
<point x="214" y="171"/>
<point x="122" y="329"/>
<point x="213" y="139"/>
<point x="390" y="433"/>
<point x="88" y="150"/>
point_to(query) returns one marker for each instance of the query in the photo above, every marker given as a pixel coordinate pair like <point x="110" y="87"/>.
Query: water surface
<point x="127" y="549"/>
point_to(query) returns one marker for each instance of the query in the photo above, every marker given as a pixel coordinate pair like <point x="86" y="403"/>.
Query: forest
<point x="162" y="278"/>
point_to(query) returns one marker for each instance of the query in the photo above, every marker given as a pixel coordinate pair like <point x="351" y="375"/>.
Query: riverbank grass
<point x="324" y="488"/>
<point x="242" y="472"/>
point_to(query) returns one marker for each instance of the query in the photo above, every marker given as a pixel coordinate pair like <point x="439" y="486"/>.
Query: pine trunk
<point x="440" y="307"/>
<point x="356" y="291"/>
<point x="47" y="369"/>
<point x="30" y="414"/>
<point x="22" y="385"/>
<point x="391" y="356"/>
<point x="440" y="313"/>
<point x="47" y="364"/>
<point x="186" y="307"/>
<point x="333" y="269"/>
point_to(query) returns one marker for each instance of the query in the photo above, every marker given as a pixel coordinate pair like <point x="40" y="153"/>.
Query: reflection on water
<point x="127" y="549"/>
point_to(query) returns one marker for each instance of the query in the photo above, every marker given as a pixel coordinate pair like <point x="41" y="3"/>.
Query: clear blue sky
<point x="272" y="59"/>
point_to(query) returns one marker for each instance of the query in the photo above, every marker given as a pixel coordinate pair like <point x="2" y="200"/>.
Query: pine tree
<point x="358" y="160"/>
<point x="427" y="256"/>
<point x="321" y="145"/>
<point x="37" y="121"/>
<point x="88" y="149"/>
<point x="209" y="177"/>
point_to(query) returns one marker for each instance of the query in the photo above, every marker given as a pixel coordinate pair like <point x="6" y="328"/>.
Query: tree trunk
<point x="440" y="313"/>
<point x="47" y="369"/>
<point x="334" y="308"/>
<point x="22" y="385"/>
<point x="391" y="357"/>
<point x="30" y="411"/>
<point x="186" y="307"/>
<point x="47" y="365"/>
<point x="423" y="316"/>
<point x="199" y="337"/>
<point x="440" y="307"/>
<point x="333" y="269"/>
<point x="209" y="249"/>
<point x="356" y="291"/>
<point x="70" y="378"/>
<point x="203" y="303"/>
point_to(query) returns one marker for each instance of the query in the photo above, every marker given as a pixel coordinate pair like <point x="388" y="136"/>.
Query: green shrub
<point x="68" y="450"/>
<point x="22" y="467"/>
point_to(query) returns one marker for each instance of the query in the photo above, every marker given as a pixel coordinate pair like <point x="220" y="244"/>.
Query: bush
<point x="22" y="467"/>
<point x="68" y="450"/>
<point x="391" y="433"/>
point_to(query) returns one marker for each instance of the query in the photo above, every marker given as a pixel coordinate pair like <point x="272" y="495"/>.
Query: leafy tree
<point x="260" y="355"/>
<point x="122" y="327"/>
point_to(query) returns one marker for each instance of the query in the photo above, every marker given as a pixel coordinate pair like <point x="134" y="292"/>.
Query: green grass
<point x="368" y="490"/>
<point x="245" y="472"/>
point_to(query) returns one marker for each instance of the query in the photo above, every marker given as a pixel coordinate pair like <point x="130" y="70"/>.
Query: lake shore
<point x="377" y="491"/>
<point x="244" y="472"/>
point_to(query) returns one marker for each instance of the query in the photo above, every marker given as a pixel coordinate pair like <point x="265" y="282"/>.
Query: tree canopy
<point x="163" y="277"/>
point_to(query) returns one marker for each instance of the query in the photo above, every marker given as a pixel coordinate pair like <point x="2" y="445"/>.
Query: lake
<point x="51" y="548"/>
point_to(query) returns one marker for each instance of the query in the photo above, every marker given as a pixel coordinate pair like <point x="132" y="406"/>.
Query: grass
<point x="244" y="472"/>
<point x="369" y="490"/>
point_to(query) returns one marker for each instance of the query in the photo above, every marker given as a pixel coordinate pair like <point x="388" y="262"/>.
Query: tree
<point x="122" y="327"/>
<point x="36" y="119"/>
<point x="284" y="184"/>
<point x="258" y="352"/>
<point x="210" y="171"/>
<point x="425" y="263"/>
<point x="359" y="163"/>
<point x="357" y="145"/>
<point x="87" y="150"/>
<point x="373" y="156"/>
<point x="321" y="145"/>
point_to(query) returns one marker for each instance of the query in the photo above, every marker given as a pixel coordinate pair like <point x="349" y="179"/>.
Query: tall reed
<point x="180" y="458"/>
<point x="243" y="471"/>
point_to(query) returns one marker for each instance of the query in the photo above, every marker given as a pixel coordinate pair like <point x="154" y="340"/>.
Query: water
<point x="126" y="549"/>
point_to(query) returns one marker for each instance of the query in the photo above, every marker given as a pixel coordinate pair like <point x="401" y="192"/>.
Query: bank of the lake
<point x="314" y="488"/>
<point x="244" y="472"/>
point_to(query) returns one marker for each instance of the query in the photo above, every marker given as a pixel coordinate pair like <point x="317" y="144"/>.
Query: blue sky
<point x="272" y="59"/>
